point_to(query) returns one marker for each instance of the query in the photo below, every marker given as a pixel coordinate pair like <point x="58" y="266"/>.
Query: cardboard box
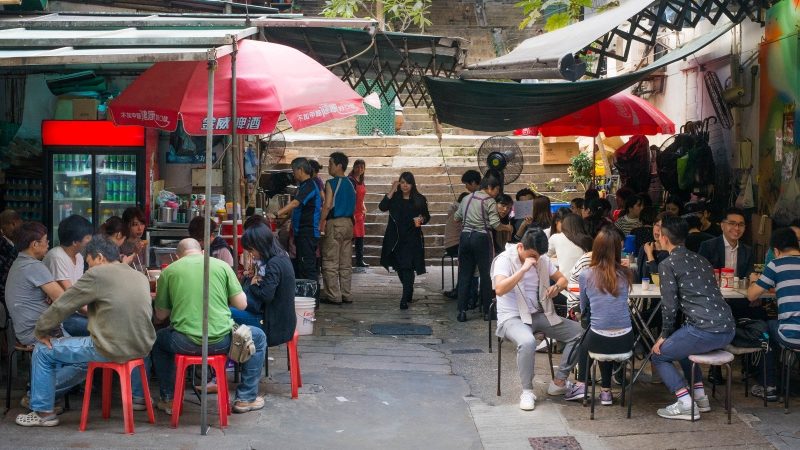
<point x="199" y="177"/>
<point x="84" y="109"/>
<point x="557" y="152"/>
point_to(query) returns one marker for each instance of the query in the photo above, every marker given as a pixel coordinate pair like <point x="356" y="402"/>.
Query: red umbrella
<point x="271" y="79"/>
<point x="622" y="114"/>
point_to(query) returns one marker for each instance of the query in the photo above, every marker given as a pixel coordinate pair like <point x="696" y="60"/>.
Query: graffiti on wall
<point x="779" y="57"/>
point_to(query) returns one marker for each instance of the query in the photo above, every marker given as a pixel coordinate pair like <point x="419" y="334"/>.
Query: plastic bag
<point x="166" y="196"/>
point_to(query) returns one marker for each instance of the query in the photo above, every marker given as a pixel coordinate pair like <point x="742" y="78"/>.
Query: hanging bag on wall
<point x="745" y="199"/>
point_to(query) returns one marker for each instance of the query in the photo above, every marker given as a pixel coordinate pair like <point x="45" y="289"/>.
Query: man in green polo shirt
<point x="180" y="298"/>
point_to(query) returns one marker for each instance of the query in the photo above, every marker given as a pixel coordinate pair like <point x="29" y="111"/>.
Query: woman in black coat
<point x="403" y="244"/>
<point x="270" y="292"/>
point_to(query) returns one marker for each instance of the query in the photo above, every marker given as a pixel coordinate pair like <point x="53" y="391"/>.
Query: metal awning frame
<point x="645" y="26"/>
<point x="392" y="64"/>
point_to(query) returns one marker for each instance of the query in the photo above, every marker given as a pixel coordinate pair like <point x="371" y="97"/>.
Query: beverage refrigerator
<point x="94" y="169"/>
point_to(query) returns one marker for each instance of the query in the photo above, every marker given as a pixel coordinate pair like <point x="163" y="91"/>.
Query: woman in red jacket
<point x="360" y="214"/>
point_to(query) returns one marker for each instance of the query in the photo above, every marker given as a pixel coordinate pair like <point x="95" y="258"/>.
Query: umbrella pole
<point x="212" y="66"/>
<point x="235" y="150"/>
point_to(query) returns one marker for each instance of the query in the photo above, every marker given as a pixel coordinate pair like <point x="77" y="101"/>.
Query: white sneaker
<point x="554" y="389"/>
<point x="527" y="401"/>
<point x="680" y="412"/>
<point x="703" y="404"/>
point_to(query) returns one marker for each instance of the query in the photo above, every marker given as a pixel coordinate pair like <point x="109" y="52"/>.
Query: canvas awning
<point x="89" y="39"/>
<point x="610" y="34"/>
<point x="495" y="106"/>
<point x="555" y="50"/>
<point x="392" y="63"/>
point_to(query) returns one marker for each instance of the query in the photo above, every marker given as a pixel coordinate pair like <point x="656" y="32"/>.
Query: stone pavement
<point x="368" y="391"/>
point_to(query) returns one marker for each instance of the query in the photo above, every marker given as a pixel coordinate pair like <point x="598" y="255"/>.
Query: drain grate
<point x="554" y="443"/>
<point x="406" y="329"/>
<point x="466" y="350"/>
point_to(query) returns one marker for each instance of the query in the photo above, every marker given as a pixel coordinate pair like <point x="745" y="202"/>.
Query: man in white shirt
<point x="66" y="264"/>
<point x="521" y="277"/>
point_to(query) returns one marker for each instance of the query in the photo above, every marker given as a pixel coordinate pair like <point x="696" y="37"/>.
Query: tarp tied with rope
<point x="585" y="47"/>
<point x="495" y="106"/>
<point x="386" y="63"/>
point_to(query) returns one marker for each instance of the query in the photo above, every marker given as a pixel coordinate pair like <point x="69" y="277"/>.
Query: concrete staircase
<point x="386" y="157"/>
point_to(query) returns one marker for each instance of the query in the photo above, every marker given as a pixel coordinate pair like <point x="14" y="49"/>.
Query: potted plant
<point x="580" y="169"/>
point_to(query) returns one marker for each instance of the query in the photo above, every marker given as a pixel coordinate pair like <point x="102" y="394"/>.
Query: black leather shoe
<point x="715" y="376"/>
<point x="403" y="305"/>
<point x="452" y="295"/>
<point x="462" y="316"/>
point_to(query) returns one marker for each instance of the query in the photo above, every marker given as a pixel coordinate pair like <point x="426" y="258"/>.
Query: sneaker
<point x="678" y="411"/>
<point x="527" y="401"/>
<point x="575" y="392"/>
<point x="139" y="404"/>
<point x="26" y="403"/>
<point x="242" y="407"/>
<point x="165" y="405"/>
<point x="606" y="398"/>
<point x="758" y="391"/>
<point x="703" y="404"/>
<point x="554" y="389"/>
<point x="33" y="419"/>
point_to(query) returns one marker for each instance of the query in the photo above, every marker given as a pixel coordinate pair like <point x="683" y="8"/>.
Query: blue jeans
<point x="775" y="345"/>
<point x="55" y="371"/>
<point x="169" y="342"/>
<point x="688" y="340"/>
<point x="76" y="325"/>
<point x="245" y="318"/>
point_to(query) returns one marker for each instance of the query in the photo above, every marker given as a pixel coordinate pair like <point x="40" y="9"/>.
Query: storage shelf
<point x="79" y="199"/>
<point x="116" y="172"/>
<point x="114" y="202"/>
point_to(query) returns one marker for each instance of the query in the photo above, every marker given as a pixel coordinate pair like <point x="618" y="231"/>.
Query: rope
<point x="371" y="44"/>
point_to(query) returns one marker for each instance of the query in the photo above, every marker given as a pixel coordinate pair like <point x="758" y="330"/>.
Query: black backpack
<point x="751" y="333"/>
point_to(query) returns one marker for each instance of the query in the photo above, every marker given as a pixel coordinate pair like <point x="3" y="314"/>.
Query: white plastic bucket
<point x="304" y="307"/>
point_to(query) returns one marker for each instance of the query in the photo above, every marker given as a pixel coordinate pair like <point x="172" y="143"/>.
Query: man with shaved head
<point x="180" y="298"/>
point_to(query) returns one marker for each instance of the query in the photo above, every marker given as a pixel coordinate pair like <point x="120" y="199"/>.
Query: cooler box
<point x="226" y="232"/>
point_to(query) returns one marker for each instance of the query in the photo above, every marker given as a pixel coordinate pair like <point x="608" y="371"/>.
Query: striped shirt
<point x="784" y="275"/>
<point x="582" y="263"/>
<point x="625" y="224"/>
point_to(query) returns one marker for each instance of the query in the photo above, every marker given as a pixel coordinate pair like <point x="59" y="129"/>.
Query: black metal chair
<point x="452" y="270"/>
<point x="619" y="358"/>
<point x="540" y="336"/>
<point x="750" y="357"/>
<point x="788" y="358"/>
<point x="713" y="358"/>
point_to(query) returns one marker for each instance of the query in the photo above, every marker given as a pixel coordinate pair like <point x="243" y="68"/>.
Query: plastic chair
<point x="218" y="362"/>
<point x="748" y="356"/>
<point x="618" y="357"/>
<point x="293" y="362"/>
<point x="452" y="270"/>
<point x="124" y="371"/>
<point x="715" y="358"/>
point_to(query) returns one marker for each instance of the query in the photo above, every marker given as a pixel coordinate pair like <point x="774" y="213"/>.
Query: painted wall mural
<point x="779" y="115"/>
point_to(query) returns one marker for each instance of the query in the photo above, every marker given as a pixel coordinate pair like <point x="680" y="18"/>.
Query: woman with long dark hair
<point x="403" y="243"/>
<point x="604" y="290"/>
<point x="360" y="214"/>
<point x="270" y="291"/>
<point x="115" y="230"/>
<point x="570" y="244"/>
<point x="135" y="224"/>
<point x="542" y="217"/>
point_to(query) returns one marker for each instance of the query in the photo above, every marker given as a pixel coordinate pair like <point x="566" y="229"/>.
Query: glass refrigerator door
<point x="115" y="186"/>
<point x="72" y="188"/>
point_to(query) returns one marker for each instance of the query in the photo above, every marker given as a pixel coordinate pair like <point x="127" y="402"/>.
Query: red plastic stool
<point x="124" y="371"/>
<point x="218" y="362"/>
<point x="294" y="364"/>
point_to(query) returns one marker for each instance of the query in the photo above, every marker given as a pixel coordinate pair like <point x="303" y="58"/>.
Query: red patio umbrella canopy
<point x="271" y="79"/>
<point x="622" y="114"/>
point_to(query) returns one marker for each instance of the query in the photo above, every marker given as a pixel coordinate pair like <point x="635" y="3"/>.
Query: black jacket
<point x="714" y="251"/>
<point x="403" y="243"/>
<point x="273" y="297"/>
